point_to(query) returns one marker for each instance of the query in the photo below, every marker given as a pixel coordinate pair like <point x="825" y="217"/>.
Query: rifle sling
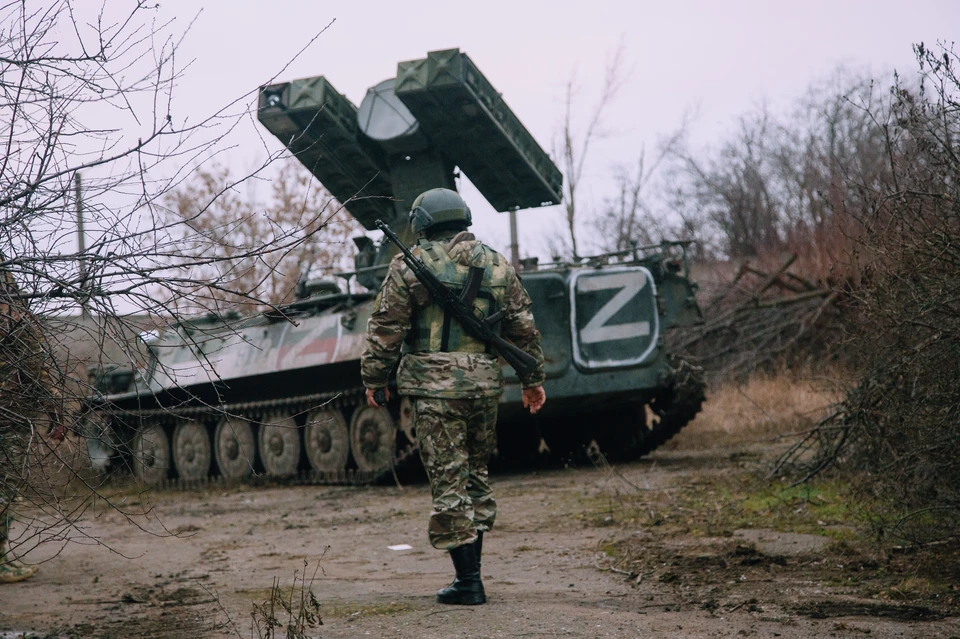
<point x="445" y="336"/>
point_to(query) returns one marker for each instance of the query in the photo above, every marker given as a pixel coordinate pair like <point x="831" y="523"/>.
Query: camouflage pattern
<point x="403" y="313"/>
<point x="456" y="437"/>
<point x="31" y="402"/>
<point x="27" y="386"/>
<point x="237" y="350"/>
<point x="455" y="390"/>
<point x="13" y="439"/>
<point x="10" y="461"/>
<point x="11" y="570"/>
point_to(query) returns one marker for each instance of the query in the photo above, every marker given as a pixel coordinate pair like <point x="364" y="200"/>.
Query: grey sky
<point x="719" y="57"/>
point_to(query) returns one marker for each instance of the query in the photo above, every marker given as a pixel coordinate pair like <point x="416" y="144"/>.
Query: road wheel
<point x="327" y="440"/>
<point x="234" y="448"/>
<point x="192" y="451"/>
<point x="280" y="446"/>
<point x="373" y="437"/>
<point x="151" y="454"/>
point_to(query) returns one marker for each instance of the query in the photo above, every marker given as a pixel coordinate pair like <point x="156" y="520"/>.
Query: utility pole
<point x="81" y="244"/>
<point x="514" y="241"/>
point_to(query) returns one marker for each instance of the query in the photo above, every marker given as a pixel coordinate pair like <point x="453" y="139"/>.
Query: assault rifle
<point x="461" y="307"/>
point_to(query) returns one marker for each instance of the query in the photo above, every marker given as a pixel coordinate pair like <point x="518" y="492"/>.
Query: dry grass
<point x="762" y="409"/>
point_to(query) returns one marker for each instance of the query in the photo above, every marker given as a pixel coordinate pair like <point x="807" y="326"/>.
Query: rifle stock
<point x="521" y="361"/>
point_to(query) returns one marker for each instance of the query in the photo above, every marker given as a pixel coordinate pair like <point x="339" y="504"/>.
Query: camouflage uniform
<point x="453" y="379"/>
<point x="28" y="398"/>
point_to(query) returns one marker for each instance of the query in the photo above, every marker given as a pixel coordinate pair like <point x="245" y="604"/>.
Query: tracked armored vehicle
<point x="280" y="393"/>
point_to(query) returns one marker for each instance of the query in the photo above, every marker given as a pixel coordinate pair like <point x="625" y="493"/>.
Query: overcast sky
<point x="720" y="58"/>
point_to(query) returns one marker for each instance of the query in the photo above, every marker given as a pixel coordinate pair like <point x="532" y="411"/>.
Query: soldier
<point x="28" y="399"/>
<point x="453" y="379"/>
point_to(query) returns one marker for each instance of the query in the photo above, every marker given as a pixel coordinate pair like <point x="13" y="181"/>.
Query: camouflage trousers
<point x="11" y="459"/>
<point x="6" y="518"/>
<point x="456" y="438"/>
<point x="16" y="437"/>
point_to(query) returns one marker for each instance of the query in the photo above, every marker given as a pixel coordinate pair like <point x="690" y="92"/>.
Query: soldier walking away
<point x="453" y="378"/>
<point x="29" y="403"/>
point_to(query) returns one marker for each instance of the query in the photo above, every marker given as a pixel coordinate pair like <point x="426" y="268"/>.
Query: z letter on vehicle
<point x="596" y="329"/>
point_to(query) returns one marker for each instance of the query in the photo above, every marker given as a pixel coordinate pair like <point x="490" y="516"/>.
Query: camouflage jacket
<point x="404" y="313"/>
<point x="27" y="364"/>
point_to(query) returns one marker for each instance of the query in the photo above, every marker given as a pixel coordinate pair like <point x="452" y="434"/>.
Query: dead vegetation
<point x="766" y="407"/>
<point x="844" y="227"/>
<point x="897" y="430"/>
<point x="69" y="300"/>
<point x="763" y="321"/>
<point x="869" y="460"/>
<point x="293" y="612"/>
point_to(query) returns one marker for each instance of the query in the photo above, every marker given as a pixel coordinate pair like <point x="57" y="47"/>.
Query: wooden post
<point x="81" y="244"/>
<point x="514" y="241"/>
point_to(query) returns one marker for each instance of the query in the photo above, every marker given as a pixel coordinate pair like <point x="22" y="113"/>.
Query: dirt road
<point x="551" y="567"/>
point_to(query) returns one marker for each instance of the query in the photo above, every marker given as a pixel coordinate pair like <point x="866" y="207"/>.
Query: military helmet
<point x="437" y="206"/>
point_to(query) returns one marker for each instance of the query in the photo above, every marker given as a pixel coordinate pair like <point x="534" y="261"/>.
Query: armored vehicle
<point x="280" y="393"/>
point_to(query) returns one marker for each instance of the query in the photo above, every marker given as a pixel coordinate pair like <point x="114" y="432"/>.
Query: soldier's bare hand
<point x="371" y="402"/>
<point x="534" y="398"/>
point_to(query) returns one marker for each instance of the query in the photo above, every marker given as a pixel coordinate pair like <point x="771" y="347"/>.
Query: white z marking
<point x="629" y="285"/>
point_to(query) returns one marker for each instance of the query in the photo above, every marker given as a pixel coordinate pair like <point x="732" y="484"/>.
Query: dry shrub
<point x="292" y="613"/>
<point x="764" y="407"/>
<point x="903" y="416"/>
<point x="898" y="429"/>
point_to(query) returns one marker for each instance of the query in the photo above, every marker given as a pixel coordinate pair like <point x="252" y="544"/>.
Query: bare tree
<point x="733" y="190"/>
<point x="91" y="94"/>
<point x="791" y="183"/>
<point x="635" y="215"/>
<point x="575" y="146"/>
<point x="221" y="222"/>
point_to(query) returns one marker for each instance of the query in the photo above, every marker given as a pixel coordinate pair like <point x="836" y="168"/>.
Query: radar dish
<point x="384" y="118"/>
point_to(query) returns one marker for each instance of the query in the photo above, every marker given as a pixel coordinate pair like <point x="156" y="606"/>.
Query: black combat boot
<point x="478" y="545"/>
<point x="466" y="589"/>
